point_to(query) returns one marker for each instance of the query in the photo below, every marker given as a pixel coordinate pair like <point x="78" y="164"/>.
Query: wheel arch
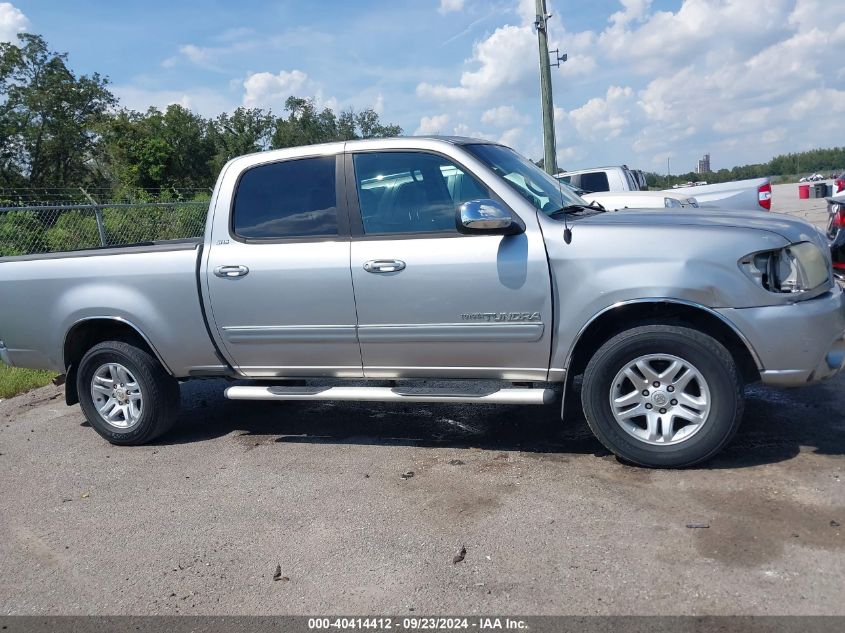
<point x="89" y="331"/>
<point x="627" y="314"/>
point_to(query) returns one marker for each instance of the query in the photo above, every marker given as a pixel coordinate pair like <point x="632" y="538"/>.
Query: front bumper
<point x="796" y="344"/>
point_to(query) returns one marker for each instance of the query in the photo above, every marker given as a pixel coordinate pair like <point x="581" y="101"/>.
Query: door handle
<point x="230" y="272"/>
<point x="384" y="266"/>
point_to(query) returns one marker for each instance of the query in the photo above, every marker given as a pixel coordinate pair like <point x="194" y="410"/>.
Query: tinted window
<point x="594" y="181"/>
<point x="412" y="192"/>
<point x="295" y="198"/>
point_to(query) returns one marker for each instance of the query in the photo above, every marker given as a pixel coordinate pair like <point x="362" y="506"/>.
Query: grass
<point x="14" y="380"/>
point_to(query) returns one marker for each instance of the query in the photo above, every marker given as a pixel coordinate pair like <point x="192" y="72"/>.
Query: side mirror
<point x="487" y="216"/>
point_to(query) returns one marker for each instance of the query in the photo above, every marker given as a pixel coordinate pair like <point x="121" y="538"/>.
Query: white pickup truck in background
<point x="635" y="199"/>
<point x="752" y="194"/>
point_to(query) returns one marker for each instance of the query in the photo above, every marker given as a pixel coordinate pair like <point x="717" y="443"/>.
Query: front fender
<point x="607" y="266"/>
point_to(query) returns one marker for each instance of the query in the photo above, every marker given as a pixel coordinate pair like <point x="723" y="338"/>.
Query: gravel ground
<point x="201" y="522"/>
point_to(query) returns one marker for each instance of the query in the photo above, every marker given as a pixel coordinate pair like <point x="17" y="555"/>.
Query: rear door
<point x="278" y="275"/>
<point x="431" y="301"/>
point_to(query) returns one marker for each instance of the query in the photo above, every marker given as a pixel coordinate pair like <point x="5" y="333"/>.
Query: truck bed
<point x="151" y="286"/>
<point x="737" y="194"/>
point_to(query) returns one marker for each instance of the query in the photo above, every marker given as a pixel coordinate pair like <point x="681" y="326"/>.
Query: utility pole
<point x="549" y="157"/>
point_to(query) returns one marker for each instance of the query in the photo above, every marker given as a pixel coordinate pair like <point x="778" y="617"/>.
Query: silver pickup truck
<point x="349" y="271"/>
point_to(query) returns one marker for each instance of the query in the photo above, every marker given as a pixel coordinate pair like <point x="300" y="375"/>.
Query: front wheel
<point x="663" y="396"/>
<point x="126" y="394"/>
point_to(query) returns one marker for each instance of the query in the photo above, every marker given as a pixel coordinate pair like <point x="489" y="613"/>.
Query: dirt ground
<point x="551" y="523"/>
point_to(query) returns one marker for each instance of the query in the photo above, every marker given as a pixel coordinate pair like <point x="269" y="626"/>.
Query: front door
<point x="279" y="284"/>
<point x="431" y="301"/>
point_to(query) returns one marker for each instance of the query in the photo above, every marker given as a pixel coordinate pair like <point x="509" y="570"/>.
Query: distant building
<point x="703" y="165"/>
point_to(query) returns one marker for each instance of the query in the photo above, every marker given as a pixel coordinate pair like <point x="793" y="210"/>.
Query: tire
<point x="149" y="401"/>
<point x="660" y="430"/>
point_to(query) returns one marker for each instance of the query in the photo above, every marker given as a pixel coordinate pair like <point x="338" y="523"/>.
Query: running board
<point x="390" y="394"/>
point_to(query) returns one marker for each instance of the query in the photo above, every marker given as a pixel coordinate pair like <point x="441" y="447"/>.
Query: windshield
<point x="528" y="180"/>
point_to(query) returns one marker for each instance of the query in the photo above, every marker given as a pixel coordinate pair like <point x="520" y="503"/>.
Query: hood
<point x="791" y="229"/>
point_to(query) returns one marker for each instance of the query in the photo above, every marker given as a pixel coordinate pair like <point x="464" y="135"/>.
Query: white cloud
<point x="744" y="79"/>
<point x="502" y="60"/>
<point x="266" y="90"/>
<point x="503" y="116"/>
<point x="196" y="54"/>
<point x="512" y="137"/>
<point x="378" y="105"/>
<point x="648" y="43"/>
<point x="506" y="61"/>
<point x="12" y="22"/>
<point x="462" y="129"/>
<point x="206" y="57"/>
<point x="632" y="10"/>
<point x="448" y="6"/>
<point x="602" y="118"/>
<point x="432" y="125"/>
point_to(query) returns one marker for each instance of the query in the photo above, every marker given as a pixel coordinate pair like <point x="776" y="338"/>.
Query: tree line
<point x="825" y="161"/>
<point x="61" y="130"/>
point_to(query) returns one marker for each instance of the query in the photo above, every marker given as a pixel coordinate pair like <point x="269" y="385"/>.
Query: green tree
<point x="156" y="150"/>
<point x="49" y="116"/>
<point x="305" y="125"/>
<point x="245" y="131"/>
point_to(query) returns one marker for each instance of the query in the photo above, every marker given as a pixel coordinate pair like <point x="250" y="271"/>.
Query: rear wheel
<point x="126" y="394"/>
<point x="663" y="396"/>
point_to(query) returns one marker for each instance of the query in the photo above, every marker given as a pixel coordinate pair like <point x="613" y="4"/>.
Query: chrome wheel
<point x="117" y="396"/>
<point x="660" y="399"/>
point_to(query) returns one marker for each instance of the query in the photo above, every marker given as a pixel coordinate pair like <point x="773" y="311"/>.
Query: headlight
<point x="672" y="202"/>
<point x="796" y="268"/>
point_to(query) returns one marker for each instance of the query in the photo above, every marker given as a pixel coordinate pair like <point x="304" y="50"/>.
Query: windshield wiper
<point x="578" y="208"/>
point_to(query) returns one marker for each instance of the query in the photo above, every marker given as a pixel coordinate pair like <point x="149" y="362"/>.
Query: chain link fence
<point x="28" y="230"/>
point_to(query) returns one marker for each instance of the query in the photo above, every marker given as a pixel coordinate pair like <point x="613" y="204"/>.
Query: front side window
<point x="411" y="192"/>
<point x="294" y="198"/>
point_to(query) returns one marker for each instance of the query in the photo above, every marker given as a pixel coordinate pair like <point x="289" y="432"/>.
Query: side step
<point x="390" y="394"/>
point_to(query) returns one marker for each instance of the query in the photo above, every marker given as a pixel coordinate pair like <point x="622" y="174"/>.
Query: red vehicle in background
<point x="836" y="228"/>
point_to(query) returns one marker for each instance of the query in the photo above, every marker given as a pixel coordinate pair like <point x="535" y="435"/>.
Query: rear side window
<point x="294" y="198"/>
<point x="594" y="181"/>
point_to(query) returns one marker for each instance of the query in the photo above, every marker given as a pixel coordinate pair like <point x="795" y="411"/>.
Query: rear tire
<point x="663" y="396"/>
<point x="126" y="394"/>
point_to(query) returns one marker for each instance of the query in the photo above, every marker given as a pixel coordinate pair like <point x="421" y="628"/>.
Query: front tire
<point x="126" y="394"/>
<point x="663" y="396"/>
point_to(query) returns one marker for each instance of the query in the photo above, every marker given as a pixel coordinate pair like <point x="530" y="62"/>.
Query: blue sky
<point x="646" y="81"/>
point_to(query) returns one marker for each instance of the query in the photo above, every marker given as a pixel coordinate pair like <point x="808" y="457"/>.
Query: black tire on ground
<point x="707" y="355"/>
<point x="160" y="393"/>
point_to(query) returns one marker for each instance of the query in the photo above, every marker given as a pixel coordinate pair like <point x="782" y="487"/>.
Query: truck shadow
<point x="776" y="427"/>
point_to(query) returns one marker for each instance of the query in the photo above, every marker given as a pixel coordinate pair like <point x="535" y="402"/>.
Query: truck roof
<point x="336" y="147"/>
